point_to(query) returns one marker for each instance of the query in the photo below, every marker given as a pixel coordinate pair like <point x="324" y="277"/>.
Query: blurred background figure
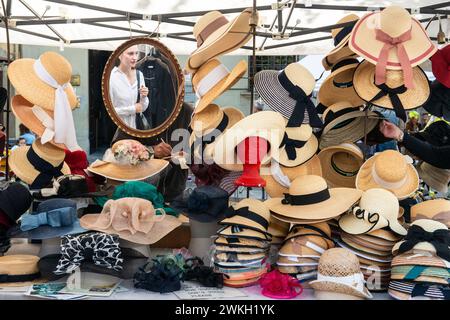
<point x="258" y="106"/>
<point x="26" y="134"/>
<point x="412" y="126"/>
<point x="21" y="142"/>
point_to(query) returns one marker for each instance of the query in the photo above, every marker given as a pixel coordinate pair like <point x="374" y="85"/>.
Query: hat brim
<point x="303" y="154"/>
<point x="439" y="184"/>
<point x="337" y="53"/>
<point x="334" y="287"/>
<point x="241" y="250"/>
<point x="227" y="232"/>
<point x="411" y="258"/>
<point x="296" y="221"/>
<point x="350" y="224"/>
<point x="46" y="231"/>
<point x="363" y="248"/>
<point x="349" y="238"/>
<point x="242" y="243"/>
<point x="364" y="255"/>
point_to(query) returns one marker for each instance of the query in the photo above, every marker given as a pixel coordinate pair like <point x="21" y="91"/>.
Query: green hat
<point x="138" y="189"/>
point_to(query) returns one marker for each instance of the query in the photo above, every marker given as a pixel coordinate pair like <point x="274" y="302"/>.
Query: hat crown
<point x="390" y="166"/>
<point x="335" y="107"/>
<point x="430" y="208"/>
<point x="307" y="184"/>
<point x="205" y="20"/>
<point x="57" y="66"/>
<point x="301" y="77"/>
<point x="429" y="225"/>
<point x="19" y="264"/>
<point x="347" y="18"/>
<point x="255" y="206"/>
<point x="395" y="20"/>
<point x="380" y="201"/>
<point x="203" y="71"/>
<point x="48" y="152"/>
<point x="206" y="118"/>
<point x="338" y="262"/>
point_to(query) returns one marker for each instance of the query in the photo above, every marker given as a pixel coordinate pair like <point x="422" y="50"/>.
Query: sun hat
<point x="426" y="235"/>
<point x="241" y="250"/>
<point x="345" y="123"/>
<point x="340" y="164"/>
<point x="45" y="82"/>
<point x="297" y="221"/>
<point x="340" y="37"/>
<point x="133" y="219"/>
<point x="127" y="160"/>
<point x="287" y="92"/>
<point x="437" y="209"/>
<point x="356" y="242"/>
<point x="403" y="290"/>
<point x="277" y="228"/>
<point x="310" y="198"/>
<point x="393" y="94"/>
<point x="240" y="243"/>
<point x="38" y="164"/>
<point x="238" y="257"/>
<point x="216" y="35"/>
<point x="366" y="257"/>
<point x="280" y="177"/>
<point x="440" y="62"/>
<point x="19" y="270"/>
<point x="370" y="240"/>
<point x="369" y="250"/>
<point x="212" y="79"/>
<point x="392" y="40"/>
<point x="15" y="200"/>
<point x="237" y="232"/>
<point x="307" y="271"/>
<point x="434" y="177"/>
<point x="389" y="170"/>
<point x="339" y="271"/>
<point x="421" y="274"/>
<point x="425" y="258"/>
<point x="378" y="208"/>
<point x="386" y="235"/>
<point x="437" y="103"/>
<point x="317" y="233"/>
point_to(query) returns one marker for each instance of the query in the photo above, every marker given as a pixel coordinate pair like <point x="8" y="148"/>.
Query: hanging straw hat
<point x="310" y="198"/>
<point x="121" y="163"/>
<point x="346" y="123"/>
<point x="434" y="177"/>
<point x="389" y="170"/>
<point x="212" y="79"/>
<point x="437" y="209"/>
<point x="339" y="272"/>
<point x="280" y="177"/>
<point x="216" y="36"/>
<point x="340" y="37"/>
<point x="19" y="270"/>
<point x="377" y="209"/>
<point x="27" y="163"/>
<point x="340" y="164"/>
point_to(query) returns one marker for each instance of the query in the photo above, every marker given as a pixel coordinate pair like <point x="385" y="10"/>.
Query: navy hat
<point x="439" y="102"/>
<point x="437" y="133"/>
<point x="15" y="200"/>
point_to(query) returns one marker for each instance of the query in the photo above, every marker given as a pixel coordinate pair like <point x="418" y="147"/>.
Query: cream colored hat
<point x="434" y="177"/>
<point x="438" y="210"/>
<point x="248" y="213"/>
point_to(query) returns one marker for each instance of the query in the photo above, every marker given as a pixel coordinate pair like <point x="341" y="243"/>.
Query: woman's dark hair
<point x="23" y="129"/>
<point x="208" y="174"/>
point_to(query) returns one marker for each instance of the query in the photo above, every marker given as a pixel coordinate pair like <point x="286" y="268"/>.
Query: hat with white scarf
<point x="45" y="83"/>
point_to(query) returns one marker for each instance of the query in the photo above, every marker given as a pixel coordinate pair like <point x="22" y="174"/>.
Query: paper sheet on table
<point x="194" y="291"/>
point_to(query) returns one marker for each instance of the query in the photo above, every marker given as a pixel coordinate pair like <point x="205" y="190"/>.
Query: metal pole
<point x="289" y="16"/>
<point x="8" y="58"/>
<point x="252" y="76"/>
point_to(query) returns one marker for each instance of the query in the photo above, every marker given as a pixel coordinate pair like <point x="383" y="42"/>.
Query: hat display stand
<point x="251" y="151"/>
<point x="202" y="234"/>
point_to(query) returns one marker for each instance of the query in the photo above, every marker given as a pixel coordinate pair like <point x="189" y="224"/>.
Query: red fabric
<point x="77" y="162"/>
<point x="279" y="285"/>
<point x="5" y="220"/>
<point x="397" y="43"/>
<point x="251" y="151"/>
<point x="440" y="64"/>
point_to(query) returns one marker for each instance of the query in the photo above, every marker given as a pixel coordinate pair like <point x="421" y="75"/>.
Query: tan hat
<point x="212" y="79"/>
<point x="426" y="259"/>
<point x="27" y="162"/>
<point x="227" y="249"/>
<point x="19" y="270"/>
<point x="297" y="269"/>
<point x="437" y="209"/>
<point x="365" y="246"/>
<point x="248" y="213"/>
<point x="238" y="257"/>
<point x="386" y="235"/>
<point x="340" y="37"/>
<point x="286" y="261"/>
<point x="317" y="233"/>
<point x="242" y="233"/>
<point x="339" y="271"/>
<point x="366" y="255"/>
<point x="277" y="228"/>
<point x="279" y="180"/>
<point x="389" y="170"/>
<point x="132" y="219"/>
<point x="302" y="248"/>
<point x="371" y="240"/>
<point x="429" y="274"/>
<point x="310" y="198"/>
<point x="216" y="36"/>
<point x="297" y="221"/>
<point x="122" y="163"/>
<point x="340" y="164"/>
<point x="240" y="243"/>
<point x="377" y="209"/>
<point x="434" y="177"/>
<point x="268" y="125"/>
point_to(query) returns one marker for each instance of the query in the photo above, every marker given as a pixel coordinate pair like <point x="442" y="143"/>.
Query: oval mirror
<point x="143" y="87"/>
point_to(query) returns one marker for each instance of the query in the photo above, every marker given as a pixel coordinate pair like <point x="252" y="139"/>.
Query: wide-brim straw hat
<point x="238" y="257"/>
<point x="436" y="178"/>
<point x="228" y="37"/>
<point x="339" y="201"/>
<point x="386" y="235"/>
<point x="248" y="251"/>
<point x="357" y="240"/>
<point x="437" y="209"/>
<point x="275" y="190"/>
<point x="22" y="167"/>
<point x="340" y="164"/>
<point x="20" y="265"/>
<point x="367" y="248"/>
<point x="318" y="233"/>
<point x="371" y="240"/>
<point x="430" y="274"/>
<point x="393" y="19"/>
<point x="287" y="261"/>
<point x="412" y="98"/>
<point x="221" y="86"/>
<point x="277" y="228"/>
<point x="23" y="77"/>
<point x="244" y="233"/>
<point x="414" y="259"/>
<point x="298" y="221"/>
<point x="240" y="243"/>
<point x="268" y="125"/>
<point x="366" y="256"/>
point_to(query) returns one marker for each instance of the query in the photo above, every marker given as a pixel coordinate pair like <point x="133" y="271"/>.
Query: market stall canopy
<point x="104" y="24"/>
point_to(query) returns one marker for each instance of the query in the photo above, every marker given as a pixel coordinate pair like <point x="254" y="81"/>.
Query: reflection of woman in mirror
<point x="126" y="97"/>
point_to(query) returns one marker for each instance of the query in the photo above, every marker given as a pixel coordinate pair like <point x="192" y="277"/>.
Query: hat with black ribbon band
<point x="211" y="137"/>
<point x="290" y="146"/>
<point x="6" y="278"/>
<point x="310" y="227"/>
<point x="46" y="170"/>
<point x="343" y="33"/>
<point x="339" y="65"/>
<point x="306" y="199"/>
<point x="246" y="213"/>
<point x="393" y="96"/>
<point x="331" y="115"/>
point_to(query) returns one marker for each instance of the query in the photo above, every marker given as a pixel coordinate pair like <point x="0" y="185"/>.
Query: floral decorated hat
<point x="127" y="160"/>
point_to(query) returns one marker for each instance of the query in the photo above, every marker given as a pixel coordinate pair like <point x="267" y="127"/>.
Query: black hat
<point x="437" y="133"/>
<point x="375" y="136"/>
<point x="15" y="200"/>
<point x="439" y="102"/>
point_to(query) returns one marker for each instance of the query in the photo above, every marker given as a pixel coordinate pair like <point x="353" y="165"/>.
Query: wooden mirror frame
<point x="180" y="94"/>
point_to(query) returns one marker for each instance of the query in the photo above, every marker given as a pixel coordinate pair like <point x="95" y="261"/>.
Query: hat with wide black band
<point x="294" y="232"/>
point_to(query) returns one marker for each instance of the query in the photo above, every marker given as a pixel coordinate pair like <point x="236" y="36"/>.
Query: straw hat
<point x="434" y="177"/>
<point x="286" y="261"/>
<point x="23" y="77"/>
<point x="317" y="233"/>
<point x="393" y="21"/>
<point x="339" y="271"/>
<point x="277" y="228"/>
<point x="402" y="290"/>
<point x="293" y="248"/>
<point x="345" y="123"/>
<point x="437" y="209"/>
<point x="370" y="240"/>
<point x="238" y="257"/>
<point x="310" y="198"/>
<point x="19" y="270"/>
<point x="116" y="163"/>
<point x="430" y="274"/>
<point x="389" y="170"/>
<point x="242" y="233"/>
<point x="248" y="251"/>
<point x="426" y="259"/>
<point x="298" y="269"/>
<point x="340" y="164"/>
<point x="367" y="257"/>
<point x="248" y="213"/>
<point x="386" y="235"/>
<point x="28" y="172"/>
<point x="277" y="184"/>
<point x="338" y="86"/>
<point x="240" y="243"/>
<point x="212" y="79"/>
<point x="268" y="125"/>
<point x="216" y="36"/>
<point x="296" y="221"/>
<point x="378" y="208"/>
<point x="362" y="245"/>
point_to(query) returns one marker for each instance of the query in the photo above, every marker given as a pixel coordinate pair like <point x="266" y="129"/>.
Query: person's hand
<point x="390" y="130"/>
<point x="139" y="107"/>
<point x="143" y="91"/>
<point x="162" y="150"/>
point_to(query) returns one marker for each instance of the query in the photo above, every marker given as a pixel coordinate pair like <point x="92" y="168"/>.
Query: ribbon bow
<point x="366" y="215"/>
<point x="246" y="213"/>
<point x="290" y="146"/>
<point x="46" y="170"/>
<point x="61" y="217"/>
<point x="397" y="43"/>
<point x="440" y="239"/>
<point x="393" y="96"/>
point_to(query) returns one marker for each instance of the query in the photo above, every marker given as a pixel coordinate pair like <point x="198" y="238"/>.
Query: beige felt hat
<point x="310" y="198"/>
<point x="434" y="177"/>
<point x="22" y="74"/>
<point x="339" y="271"/>
<point x="377" y="209"/>
<point x="340" y="164"/>
<point x="340" y="37"/>
<point x="248" y="213"/>
<point x="216" y="36"/>
<point x="268" y="125"/>
<point x="242" y="233"/>
<point x="19" y="270"/>
<point x="389" y="170"/>
<point x="277" y="183"/>
<point x="437" y="209"/>
<point x="22" y="163"/>
<point x="212" y="79"/>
